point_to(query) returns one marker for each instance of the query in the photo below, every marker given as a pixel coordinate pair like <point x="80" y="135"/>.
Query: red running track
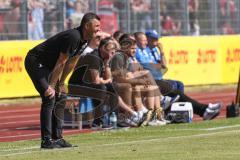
<point x="21" y="122"/>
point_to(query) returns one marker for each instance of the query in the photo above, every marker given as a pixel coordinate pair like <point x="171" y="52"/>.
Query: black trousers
<point x="52" y="110"/>
<point x="166" y="89"/>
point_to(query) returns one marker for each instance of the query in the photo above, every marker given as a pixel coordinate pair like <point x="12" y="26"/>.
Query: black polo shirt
<point x="70" y="42"/>
<point x="81" y="73"/>
<point x="120" y="62"/>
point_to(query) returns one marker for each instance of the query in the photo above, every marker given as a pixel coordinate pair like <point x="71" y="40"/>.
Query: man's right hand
<point x="50" y="92"/>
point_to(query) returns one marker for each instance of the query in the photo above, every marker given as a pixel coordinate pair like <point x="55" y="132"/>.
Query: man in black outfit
<point x="48" y="65"/>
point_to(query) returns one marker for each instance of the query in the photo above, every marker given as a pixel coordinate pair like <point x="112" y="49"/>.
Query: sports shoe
<point x="62" y="143"/>
<point x="147" y="117"/>
<point x="122" y="125"/>
<point x="167" y="101"/>
<point x="98" y="124"/>
<point x="210" y="114"/>
<point x="157" y="122"/>
<point x="214" y="106"/>
<point x="130" y="122"/>
<point x="166" y="121"/>
<point x="137" y="119"/>
<point x="49" y="144"/>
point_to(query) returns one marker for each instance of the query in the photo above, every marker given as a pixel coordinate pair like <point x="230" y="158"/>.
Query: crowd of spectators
<point x="228" y="16"/>
<point x="47" y="17"/>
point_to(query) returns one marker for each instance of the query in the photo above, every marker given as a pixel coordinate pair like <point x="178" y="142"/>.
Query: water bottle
<point x="85" y="105"/>
<point x="113" y="120"/>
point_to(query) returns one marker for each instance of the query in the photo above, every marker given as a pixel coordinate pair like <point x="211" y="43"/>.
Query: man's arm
<point x="95" y="77"/>
<point x="107" y="70"/>
<point x="58" y="69"/>
<point x="69" y="66"/>
<point x="55" y="75"/>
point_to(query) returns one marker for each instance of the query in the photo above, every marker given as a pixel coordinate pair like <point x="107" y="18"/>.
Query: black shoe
<point x="123" y="125"/>
<point x="49" y="144"/>
<point x="62" y="143"/>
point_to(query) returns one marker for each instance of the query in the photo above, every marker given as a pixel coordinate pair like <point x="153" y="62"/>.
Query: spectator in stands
<point x="169" y="26"/>
<point x="70" y="7"/>
<point x="4" y="7"/>
<point x="227" y="29"/>
<point x="75" y="10"/>
<point x="227" y="16"/>
<point x="48" y="65"/>
<point x="207" y="111"/>
<point x="77" y="15"/>
<point x="51" y="18"/>
<point x="193" y="6"/>
<point x="12" y="21"/>
<point x="228" y="9"/>
<point x="141" y="12"/>
<point x="109" y="15"/>
<point x="36" y="8"/>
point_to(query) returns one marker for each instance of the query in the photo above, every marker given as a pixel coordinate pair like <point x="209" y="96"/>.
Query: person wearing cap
<point x="152" y="63"/>
<point x="158" y="57"/>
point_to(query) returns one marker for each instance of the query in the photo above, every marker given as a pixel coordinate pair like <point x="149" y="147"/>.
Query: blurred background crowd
<point x="40" y="19"/>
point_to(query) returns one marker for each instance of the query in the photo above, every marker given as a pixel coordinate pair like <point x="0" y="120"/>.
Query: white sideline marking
<point x="123" y="143"/>
<point x="219" y="128"/>
<point x="19" y="116"/>
<point x="167" y="138"/>
<point x="25" y="135"/>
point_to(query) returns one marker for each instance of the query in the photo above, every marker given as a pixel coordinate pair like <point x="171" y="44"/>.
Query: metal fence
<point x="39" y="19"/>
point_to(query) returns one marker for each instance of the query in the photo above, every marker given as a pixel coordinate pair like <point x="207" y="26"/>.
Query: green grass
<point x="209" y="140"/>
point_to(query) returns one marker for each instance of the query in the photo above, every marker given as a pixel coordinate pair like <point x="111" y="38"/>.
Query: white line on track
<point x="19" y="110"/>
<point x="19" y="116"/>
<point x="212" y="95"/>
<point x="20" y="128"/>
<point x="122" y="143"/>
<point x="20" y="122"/>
